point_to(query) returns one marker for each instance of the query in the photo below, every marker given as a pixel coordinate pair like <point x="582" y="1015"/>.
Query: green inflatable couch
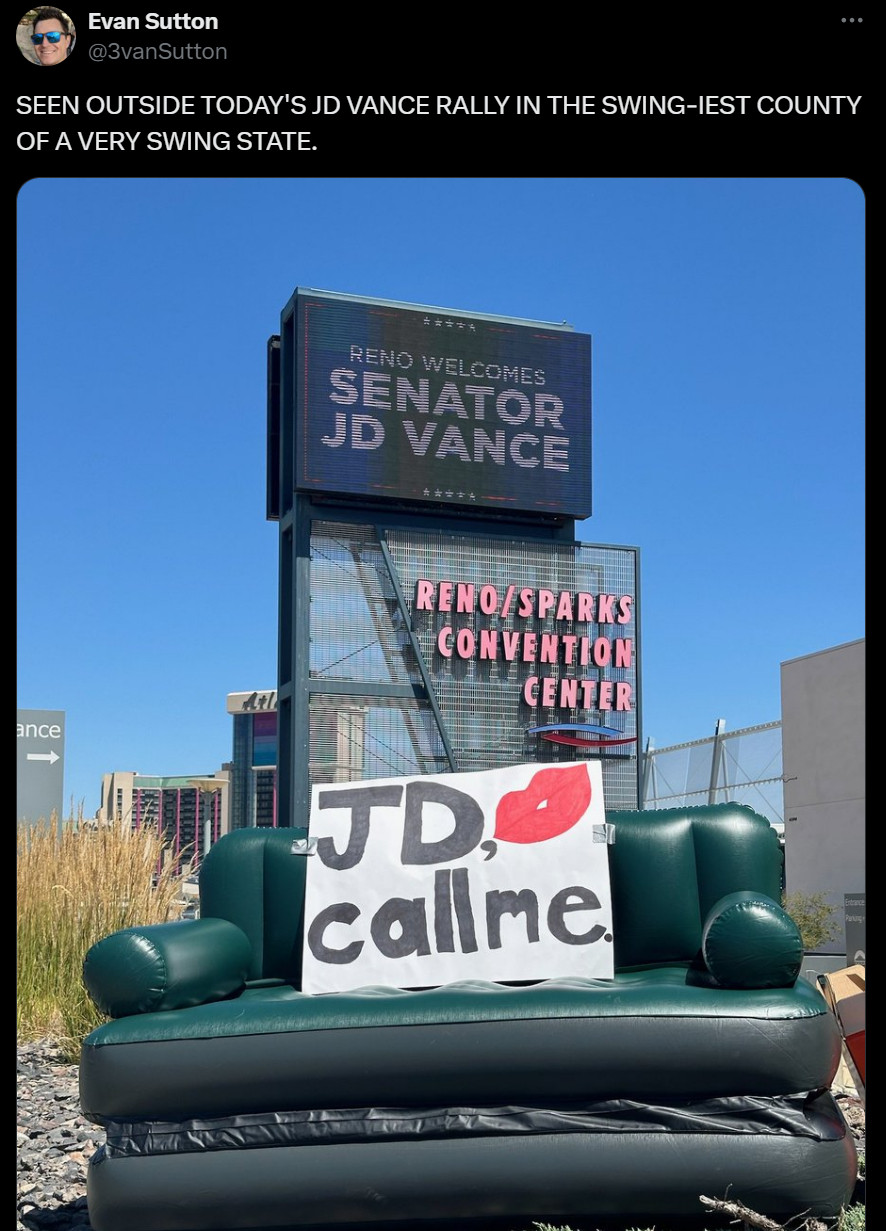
<point x="232" y="1099"/>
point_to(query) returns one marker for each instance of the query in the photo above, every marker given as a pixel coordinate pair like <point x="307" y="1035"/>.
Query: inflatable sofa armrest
<point x="749" y="940"/>
<point x="166" y="966"/>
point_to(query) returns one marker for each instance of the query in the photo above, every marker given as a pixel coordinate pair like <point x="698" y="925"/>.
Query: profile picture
<point x="46" y="36"/>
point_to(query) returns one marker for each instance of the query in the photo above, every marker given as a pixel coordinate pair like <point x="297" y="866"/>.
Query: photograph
<point x="441" y="674"/>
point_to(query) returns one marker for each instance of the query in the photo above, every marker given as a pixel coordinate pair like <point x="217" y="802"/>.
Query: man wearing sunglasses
<point x="52" y="36"/>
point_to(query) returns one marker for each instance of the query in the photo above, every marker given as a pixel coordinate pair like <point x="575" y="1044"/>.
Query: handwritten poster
<point x="418" y="881"/>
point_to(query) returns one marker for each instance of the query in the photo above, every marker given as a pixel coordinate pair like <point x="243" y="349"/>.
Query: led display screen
<point x="264" y="740"/>
<point x="423" y="405"/>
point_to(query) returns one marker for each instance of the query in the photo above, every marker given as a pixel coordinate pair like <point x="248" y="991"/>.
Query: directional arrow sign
<point x="40" y="764"/>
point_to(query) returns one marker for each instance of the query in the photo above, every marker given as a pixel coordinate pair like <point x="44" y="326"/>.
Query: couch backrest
<point x="667" y="869"/>
<point x="253" y="878"/>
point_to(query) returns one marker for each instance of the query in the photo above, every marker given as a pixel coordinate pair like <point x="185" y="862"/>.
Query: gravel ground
<point x="55" y="1142"/>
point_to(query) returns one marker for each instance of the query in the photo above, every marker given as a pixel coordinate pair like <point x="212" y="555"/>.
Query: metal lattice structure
<point x="384" y="701"/>
<point x="736" y="766"/>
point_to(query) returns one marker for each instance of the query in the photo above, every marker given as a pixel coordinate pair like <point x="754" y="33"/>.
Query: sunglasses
<point x="52" y="35"/>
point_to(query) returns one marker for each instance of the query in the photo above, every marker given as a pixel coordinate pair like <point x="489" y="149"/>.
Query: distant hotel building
<point x="254" y="767"/>
<point x="242" y="794"/>
<point x="192" y="811"/>
<point x="338" y="737"/>
<point x="189" y="810"/>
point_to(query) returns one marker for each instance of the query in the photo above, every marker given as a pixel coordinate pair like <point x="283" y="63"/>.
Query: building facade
<point x="823" y="736"/>
<point x="191" y="812"/>
<point x="339" y="753"/>
<point x="253" y="791"/>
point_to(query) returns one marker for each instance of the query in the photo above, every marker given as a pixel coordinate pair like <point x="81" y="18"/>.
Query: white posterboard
<point x="501" y="875"/>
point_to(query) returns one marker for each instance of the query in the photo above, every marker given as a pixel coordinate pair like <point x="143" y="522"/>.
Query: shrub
<point x="814" y="916"/>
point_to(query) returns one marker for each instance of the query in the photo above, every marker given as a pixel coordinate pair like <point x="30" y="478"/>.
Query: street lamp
<point x="207" y="786"/>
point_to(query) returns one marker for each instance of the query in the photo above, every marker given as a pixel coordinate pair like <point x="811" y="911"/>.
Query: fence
<point x="737" y="766"/>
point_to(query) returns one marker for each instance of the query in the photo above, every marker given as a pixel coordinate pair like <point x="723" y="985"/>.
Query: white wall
<point x="823" y="761"/>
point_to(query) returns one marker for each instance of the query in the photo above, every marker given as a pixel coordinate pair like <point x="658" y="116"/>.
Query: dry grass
<point x="75" y="885"/>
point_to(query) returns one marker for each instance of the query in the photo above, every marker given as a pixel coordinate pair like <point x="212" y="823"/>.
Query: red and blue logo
<point x="583" y="735"/>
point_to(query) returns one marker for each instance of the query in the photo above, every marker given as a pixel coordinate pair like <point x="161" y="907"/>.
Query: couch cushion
<point x="643" y="1034"/>
<point x="510" y="1178"/>
<point x="735" y="848"/>
<point x="654" y="885"/>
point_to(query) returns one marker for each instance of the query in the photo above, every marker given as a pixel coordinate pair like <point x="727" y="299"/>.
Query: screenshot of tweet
<point x="265" y="261"/>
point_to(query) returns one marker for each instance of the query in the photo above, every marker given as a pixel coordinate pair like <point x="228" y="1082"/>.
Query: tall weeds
<point x="76" y="884"/>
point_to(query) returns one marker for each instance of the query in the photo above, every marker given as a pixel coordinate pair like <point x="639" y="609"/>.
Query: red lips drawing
<point x="554" y="800"/>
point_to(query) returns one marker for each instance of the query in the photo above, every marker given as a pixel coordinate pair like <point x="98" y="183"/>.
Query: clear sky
<point x="727" y="318"/>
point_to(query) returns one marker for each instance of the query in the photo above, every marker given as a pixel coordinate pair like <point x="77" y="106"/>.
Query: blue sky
<point x="727" y="318"/>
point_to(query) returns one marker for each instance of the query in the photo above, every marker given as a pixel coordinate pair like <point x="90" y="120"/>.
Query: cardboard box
<point x="844" y="990"/>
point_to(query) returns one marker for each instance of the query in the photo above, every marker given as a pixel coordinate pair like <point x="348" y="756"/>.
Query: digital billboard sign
<point x="409" y="403"/>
